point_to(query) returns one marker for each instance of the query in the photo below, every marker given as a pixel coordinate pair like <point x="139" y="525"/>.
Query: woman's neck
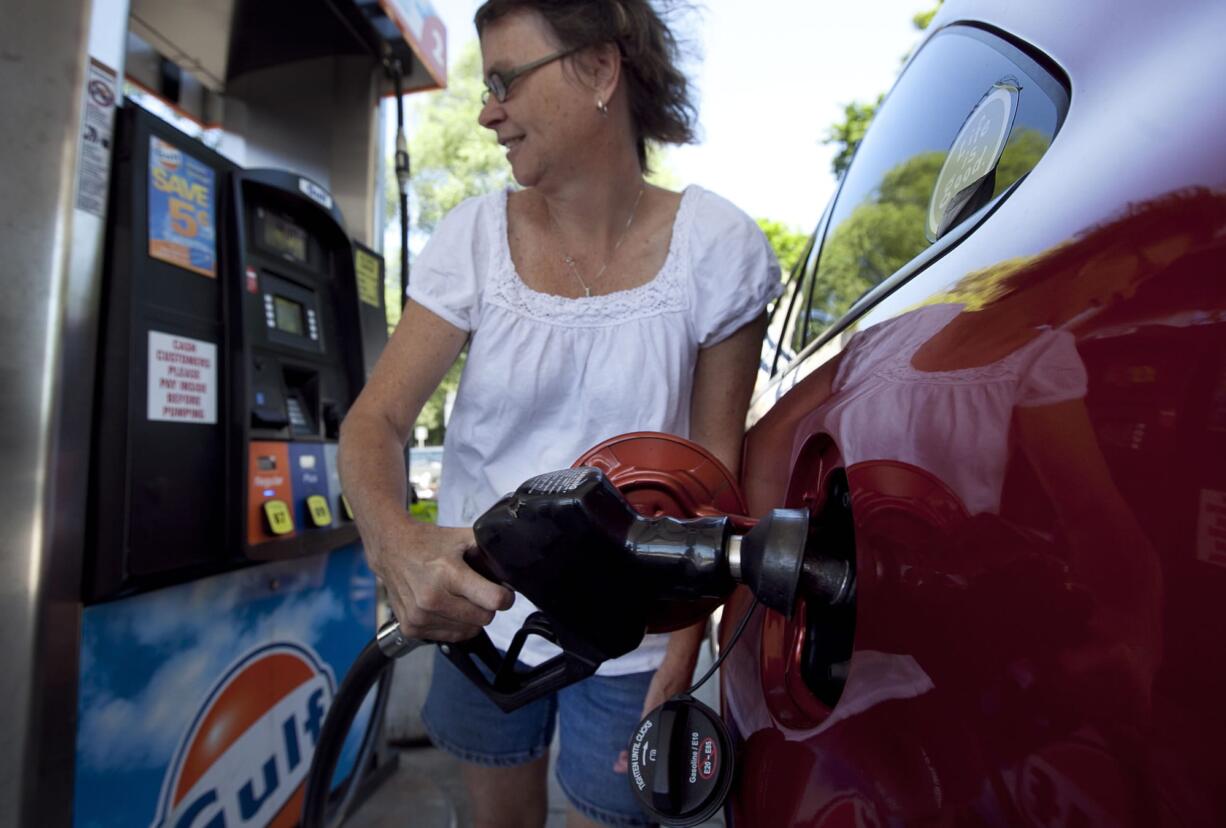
<point x="591" y="207"/>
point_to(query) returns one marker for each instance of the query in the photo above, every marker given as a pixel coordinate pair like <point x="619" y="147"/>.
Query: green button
<point x="317" y="506"/>
<point x="280" y="521"/>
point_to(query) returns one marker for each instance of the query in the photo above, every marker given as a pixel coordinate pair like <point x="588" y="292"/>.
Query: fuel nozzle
<point x="573" y="545"/>
<point x="774" y="561"/>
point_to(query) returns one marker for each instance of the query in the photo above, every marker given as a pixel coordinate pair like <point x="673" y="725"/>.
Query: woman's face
<point x="546" y="121"/>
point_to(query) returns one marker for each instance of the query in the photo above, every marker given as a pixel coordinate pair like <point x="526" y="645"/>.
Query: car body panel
<point x="1032" y="428"/>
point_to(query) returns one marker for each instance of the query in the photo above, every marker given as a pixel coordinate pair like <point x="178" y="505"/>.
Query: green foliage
<point x="847" y="133"/>
<point x="453" y="158"/>
<point x="886" y="230"/>
<point x="923" y="20"/>
<point x="880" y="235"/>
<point x="787" y="243"/>
<point x="392" y="298"/>
<point x="1025" y="148"/>
<point x="432" y="413"/>
<point x="424" y="510"/>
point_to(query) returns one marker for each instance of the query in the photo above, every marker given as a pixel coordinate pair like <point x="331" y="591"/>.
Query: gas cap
<point x="681" y="762"/>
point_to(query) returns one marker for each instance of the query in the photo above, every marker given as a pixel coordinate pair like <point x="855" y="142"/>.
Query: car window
<point x="779" y="314"/>
<point x="968" y="118"/>
<point x="794" y="331"/>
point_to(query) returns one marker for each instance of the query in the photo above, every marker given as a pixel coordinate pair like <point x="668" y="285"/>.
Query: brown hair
<point x="660" y="107"/>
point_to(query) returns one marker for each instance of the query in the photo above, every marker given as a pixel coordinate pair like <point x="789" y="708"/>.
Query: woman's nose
<point x="491" y="113"/>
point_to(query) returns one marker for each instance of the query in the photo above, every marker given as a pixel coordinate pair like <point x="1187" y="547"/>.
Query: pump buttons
<point x="346" y="507"/>
<point x="317" y="507"/>
<point x="280" y="521"/>
<point x="681" y="762"/>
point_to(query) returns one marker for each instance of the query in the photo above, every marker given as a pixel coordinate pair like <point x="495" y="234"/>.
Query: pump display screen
<point x="288" y="315"/>
<point x="282" y="236"/>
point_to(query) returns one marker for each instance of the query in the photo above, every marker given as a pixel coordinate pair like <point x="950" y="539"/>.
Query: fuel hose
<point x="372" y="667"/>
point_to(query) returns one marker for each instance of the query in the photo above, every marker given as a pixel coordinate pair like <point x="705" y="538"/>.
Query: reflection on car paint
<point x="1034" y="458"/>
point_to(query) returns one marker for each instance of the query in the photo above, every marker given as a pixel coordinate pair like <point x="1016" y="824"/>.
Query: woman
<point x="593" y="304"/>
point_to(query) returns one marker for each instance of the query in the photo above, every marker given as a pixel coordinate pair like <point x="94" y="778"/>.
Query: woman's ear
<point x="600" y="68"/>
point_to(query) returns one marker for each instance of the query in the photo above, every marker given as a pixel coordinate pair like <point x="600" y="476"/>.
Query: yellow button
<point x="321" y="515"/>
<point x="280" y="521"/>
<point x="347" y="507"/>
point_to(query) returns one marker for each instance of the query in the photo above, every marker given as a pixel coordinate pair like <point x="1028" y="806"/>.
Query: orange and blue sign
<point x="200" y="705"/>
<point x="268" y="707"/>
<point x="425" y="33"/>
<point x="182" y="206"/>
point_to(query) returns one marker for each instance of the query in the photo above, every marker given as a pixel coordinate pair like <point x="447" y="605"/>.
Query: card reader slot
<point x="302" y="400"/>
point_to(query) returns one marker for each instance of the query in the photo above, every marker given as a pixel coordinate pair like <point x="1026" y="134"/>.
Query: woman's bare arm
<point x="723" y="381"/>
<point x="433" y="592"/>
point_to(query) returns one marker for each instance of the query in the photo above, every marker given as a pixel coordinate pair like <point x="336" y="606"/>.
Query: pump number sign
<point x="182" y="198"/>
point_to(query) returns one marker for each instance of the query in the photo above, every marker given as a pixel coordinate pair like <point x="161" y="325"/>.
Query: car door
<point x="976" y="386"/>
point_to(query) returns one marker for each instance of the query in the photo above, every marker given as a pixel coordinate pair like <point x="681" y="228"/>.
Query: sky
<point x="771" y="77"/>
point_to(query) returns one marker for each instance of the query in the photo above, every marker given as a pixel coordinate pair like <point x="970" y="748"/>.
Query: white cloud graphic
<point x="203" y="627"/>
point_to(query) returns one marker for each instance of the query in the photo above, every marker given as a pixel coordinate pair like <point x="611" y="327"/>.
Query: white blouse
<point x="549" y="377"/>
<point x="953" y="424"/>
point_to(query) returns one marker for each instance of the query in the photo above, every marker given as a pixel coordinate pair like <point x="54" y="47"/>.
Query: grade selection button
<point x="280" y="521"/>
<point x="317" y="508"/>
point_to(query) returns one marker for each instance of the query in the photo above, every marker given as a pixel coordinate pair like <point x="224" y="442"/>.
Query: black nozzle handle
<point x="482" y="564"/>
<point x="501" y="683"/>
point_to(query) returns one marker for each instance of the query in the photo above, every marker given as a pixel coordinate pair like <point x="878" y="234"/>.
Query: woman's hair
<point x="660" y="107"/>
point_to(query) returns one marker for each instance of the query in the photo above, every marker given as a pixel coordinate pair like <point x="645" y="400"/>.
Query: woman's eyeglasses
<point x="498" y="84"/>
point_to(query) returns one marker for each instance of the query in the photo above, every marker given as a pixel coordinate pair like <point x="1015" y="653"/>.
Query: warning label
<point x="97" y="126"/>
<point x="366" y="267"/>
<point x="1211" y="527"/>
<point x="182" y="379"/>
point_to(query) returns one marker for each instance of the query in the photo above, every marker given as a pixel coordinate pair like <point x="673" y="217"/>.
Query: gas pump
<point x="198" y="587"/>
<point x="234" y="342"/>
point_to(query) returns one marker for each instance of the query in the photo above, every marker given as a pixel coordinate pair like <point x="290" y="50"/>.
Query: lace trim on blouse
<point x="665" y="293"/>
<point x="898" y="367"/>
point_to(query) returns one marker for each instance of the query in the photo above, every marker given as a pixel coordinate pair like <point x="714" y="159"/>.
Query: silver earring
<point x="600" y="104"/>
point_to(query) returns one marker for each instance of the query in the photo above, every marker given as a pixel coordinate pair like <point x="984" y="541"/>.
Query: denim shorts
<point x="596" y="717"/>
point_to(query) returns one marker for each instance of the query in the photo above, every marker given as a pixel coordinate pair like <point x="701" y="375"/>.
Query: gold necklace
<point x="570" y="261"/>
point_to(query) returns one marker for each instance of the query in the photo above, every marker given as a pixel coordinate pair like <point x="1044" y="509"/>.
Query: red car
<point x="998" y="381"/>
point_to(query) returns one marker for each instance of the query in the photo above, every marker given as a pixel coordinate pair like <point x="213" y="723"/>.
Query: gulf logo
<point x="165" y="155"/>
<point x="246" y="755"/>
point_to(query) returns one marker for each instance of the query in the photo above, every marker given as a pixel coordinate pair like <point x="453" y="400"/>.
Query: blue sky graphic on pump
<point x="200" y="704"/>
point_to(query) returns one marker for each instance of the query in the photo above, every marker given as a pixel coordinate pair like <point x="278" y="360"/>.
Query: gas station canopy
<point x="220" y="40"/>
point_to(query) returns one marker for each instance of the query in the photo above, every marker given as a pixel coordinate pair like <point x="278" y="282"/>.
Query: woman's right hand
<point x="436" y="596"/>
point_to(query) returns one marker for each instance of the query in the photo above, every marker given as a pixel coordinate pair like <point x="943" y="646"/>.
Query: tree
<point x="923" y="20"/>
<point x="787" y="243"/>
<point x="452" y="157"/>
<point x="847" y="133"/>
<point x="887" y="229"/>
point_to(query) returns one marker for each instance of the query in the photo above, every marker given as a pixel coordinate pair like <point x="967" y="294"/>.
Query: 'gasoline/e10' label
<point x="182" y="379"/>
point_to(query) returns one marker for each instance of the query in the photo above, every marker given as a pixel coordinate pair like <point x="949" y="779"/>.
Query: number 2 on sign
<point x="185" y="218"/>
